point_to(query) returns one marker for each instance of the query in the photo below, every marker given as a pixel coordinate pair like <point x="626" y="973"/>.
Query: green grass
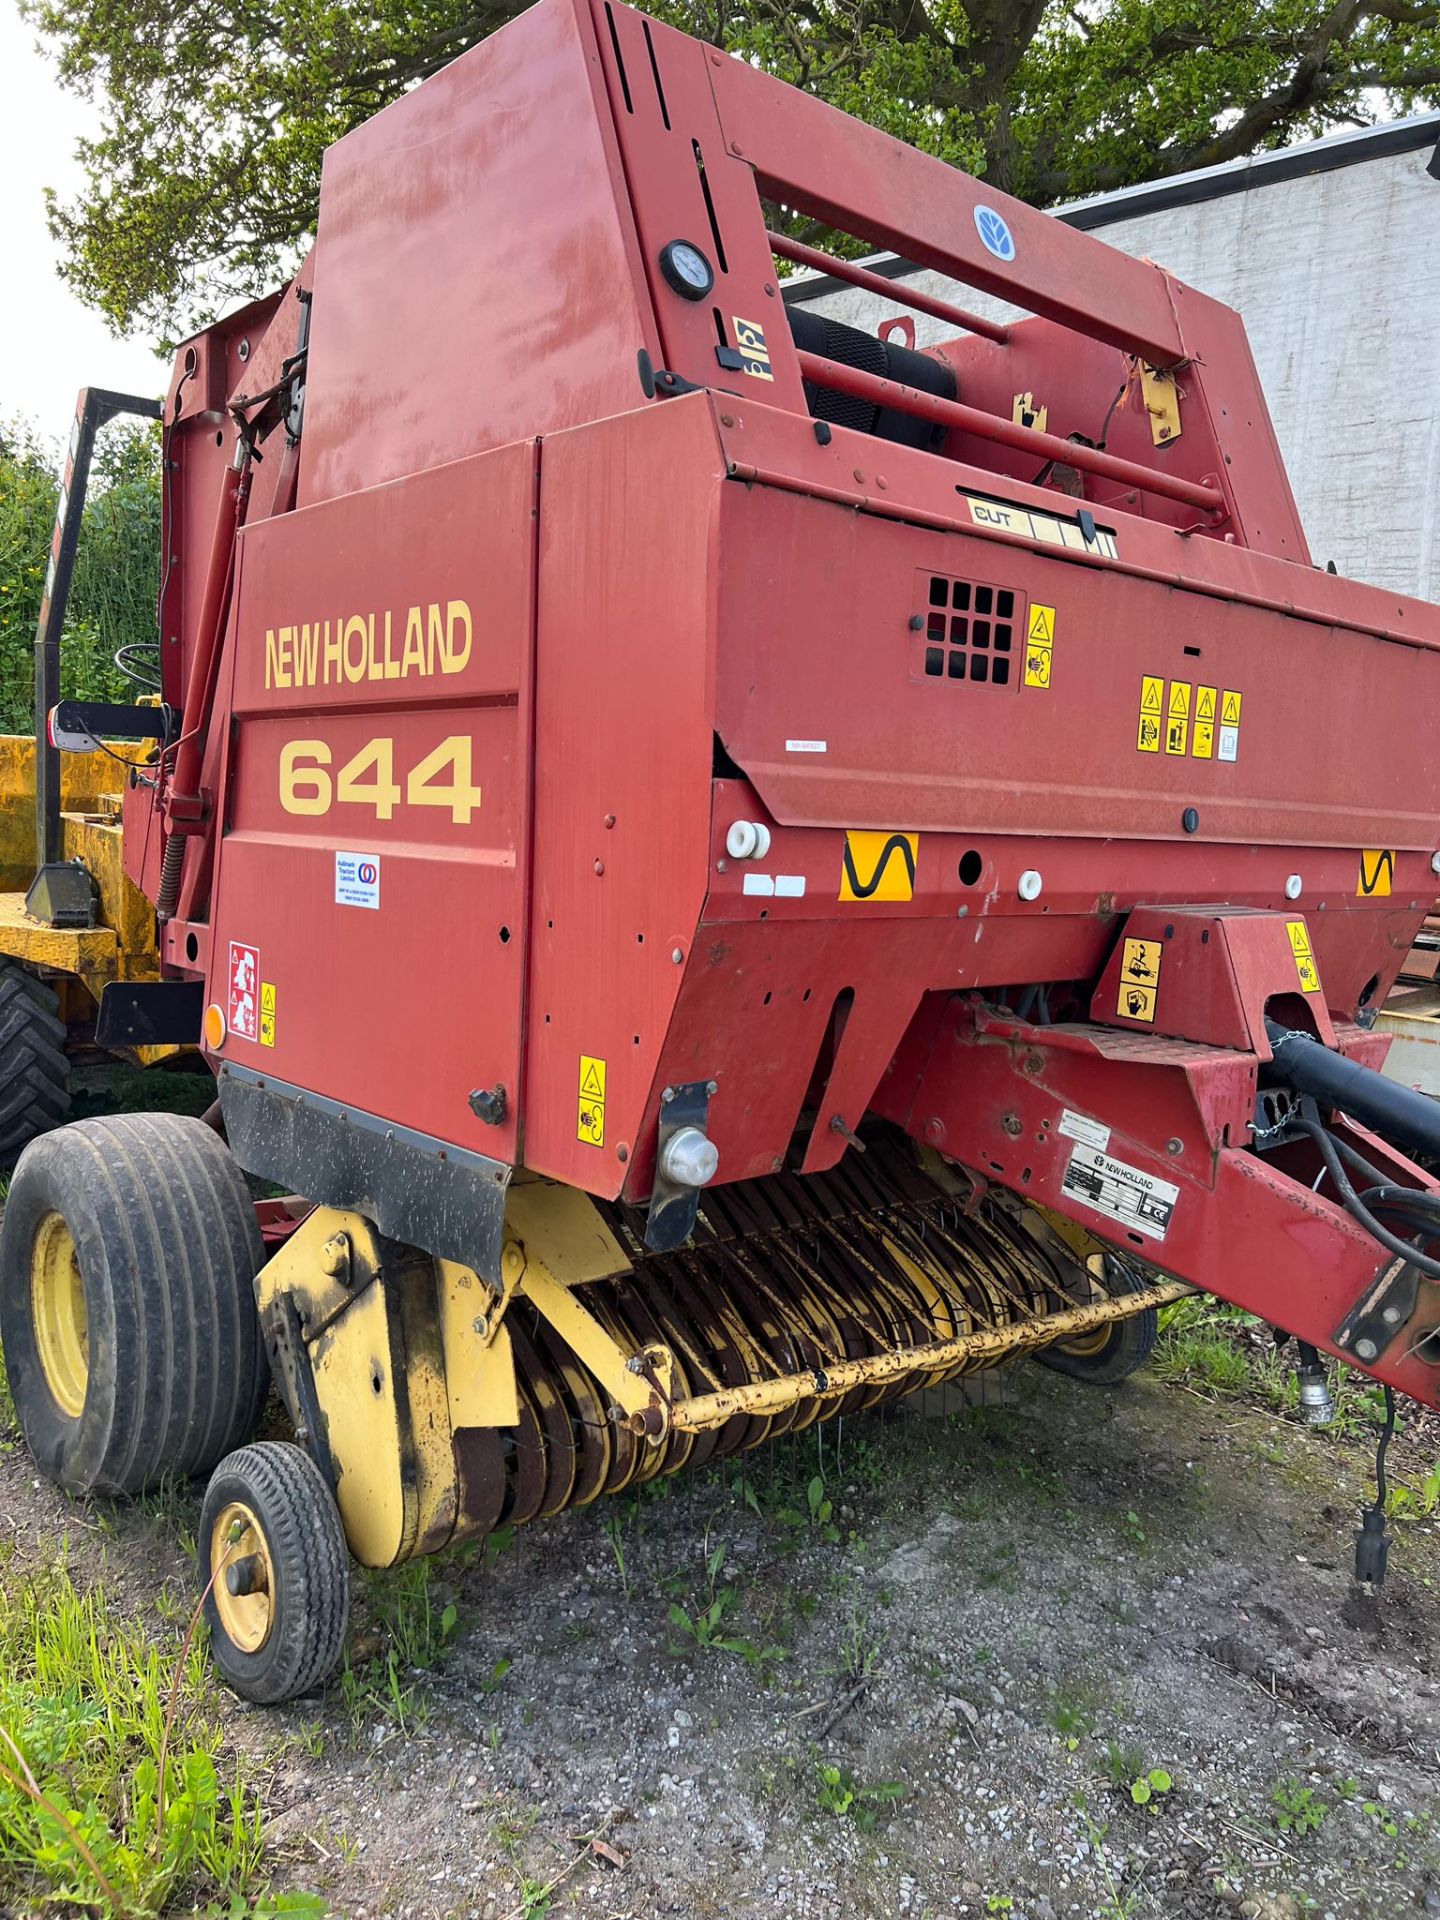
<point x="1197" y="1348"/>
<point x="115" y="1792"/>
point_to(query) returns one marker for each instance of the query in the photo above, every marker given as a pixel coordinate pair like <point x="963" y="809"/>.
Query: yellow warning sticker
<point x="1152" y="705"/>
<point x="1206" y="699"/>
<point x="1304" y="959"/>
<point x="1230" y="710"/>
<point x="1177" y="717"/>
<point x="1139" y="979"/>
<point x="590" y="1126"/>
<point x="1377" y="873"/>
<point x="754" y="354"/>
<point x="267" y="1011"/>
<point x="1039" y="639"/>
<point x="879" y="866"/>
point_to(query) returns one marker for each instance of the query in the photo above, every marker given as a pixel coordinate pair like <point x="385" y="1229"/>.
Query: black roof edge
<point x="1189" y="189"/>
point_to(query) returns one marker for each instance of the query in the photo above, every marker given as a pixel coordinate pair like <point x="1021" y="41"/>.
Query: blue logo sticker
<point x="995" y="234"/>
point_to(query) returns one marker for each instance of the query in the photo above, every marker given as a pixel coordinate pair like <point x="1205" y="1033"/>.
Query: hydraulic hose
<point x="1408" y="1119"/>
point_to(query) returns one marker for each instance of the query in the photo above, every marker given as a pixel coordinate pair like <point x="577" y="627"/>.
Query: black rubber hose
<point x="1356" y="1207"/>
<point x="1410" y="1120"/>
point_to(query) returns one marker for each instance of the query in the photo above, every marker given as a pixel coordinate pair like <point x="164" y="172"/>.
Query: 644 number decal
<point x="443" y="778"/>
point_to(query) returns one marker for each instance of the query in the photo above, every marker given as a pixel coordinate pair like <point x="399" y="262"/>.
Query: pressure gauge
<point x="686" y="269"/>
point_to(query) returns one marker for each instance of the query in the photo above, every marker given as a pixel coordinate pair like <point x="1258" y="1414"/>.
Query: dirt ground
<point x="932" y="1699"/>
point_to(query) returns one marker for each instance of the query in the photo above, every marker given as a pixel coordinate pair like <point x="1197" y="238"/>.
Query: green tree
<point x="116" y="579"/>
<point x="203" y="181"/>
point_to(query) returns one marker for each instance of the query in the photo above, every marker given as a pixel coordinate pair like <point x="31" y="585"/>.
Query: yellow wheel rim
<point x="1086" y="1345"/>
<point x="57" y="1310"/>
<point x="238" y="1549"/>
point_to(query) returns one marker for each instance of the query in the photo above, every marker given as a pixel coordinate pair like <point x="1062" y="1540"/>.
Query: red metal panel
<point x="476" y="277"/>
<point x="369" y="632"/>
<point x="623" y="745"/>
<point x="883" y="746"/>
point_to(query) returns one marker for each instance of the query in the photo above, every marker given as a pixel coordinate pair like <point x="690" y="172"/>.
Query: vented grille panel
<point x="967" y="632"/>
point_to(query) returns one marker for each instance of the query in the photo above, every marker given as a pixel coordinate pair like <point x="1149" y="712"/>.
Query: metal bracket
<point x="1381" y="1313"/>
<point x="671" y="1219"/>
<point x="62" y="894"/>
<point x="1162" y="403"/>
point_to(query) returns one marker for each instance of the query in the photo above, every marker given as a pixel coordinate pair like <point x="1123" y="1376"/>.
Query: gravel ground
<point x="931" y="1699"/>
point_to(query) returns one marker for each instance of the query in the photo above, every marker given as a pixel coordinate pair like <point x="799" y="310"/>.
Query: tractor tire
<point x="1112" y="1353"/>
<point x="128" y="1254"/>
<point x="277" y="1573"/>
<point x="34" y="1065"/>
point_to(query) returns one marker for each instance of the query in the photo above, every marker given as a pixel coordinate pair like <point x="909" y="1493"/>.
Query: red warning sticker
<point x="244" y="1008"/>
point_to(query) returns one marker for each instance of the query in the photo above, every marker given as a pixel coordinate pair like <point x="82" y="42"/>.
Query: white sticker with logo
<point x="1079" y="1126"/>
<point x="357" y="879"/>
<point x="1125" y="1193"/>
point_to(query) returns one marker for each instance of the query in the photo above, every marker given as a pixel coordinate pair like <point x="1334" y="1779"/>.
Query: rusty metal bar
<point x="1008" y="433"/>
<point x="803" y="256"/>
<point x="761" y="1397"/>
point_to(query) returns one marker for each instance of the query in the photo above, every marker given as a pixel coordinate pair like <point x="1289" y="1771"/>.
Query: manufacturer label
<point x="1304" y="956"/>
<point x="806" y="746"/>
<point x="1377" y="873"/>
<point x="357" y="879"/>
<point x="267" y="1013"/>
<point x="879" y="866"/>
<point x="590" y="1123"/>
<point x="242" y="1012"/>
<point x="1128" y="1194"/>
<point x="1079" y="1126"/>
<point x="1039" y="640"/>
<point x="1140" y="964"/>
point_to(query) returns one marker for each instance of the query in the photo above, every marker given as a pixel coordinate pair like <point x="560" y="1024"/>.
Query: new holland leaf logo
<point x="879" y="866"/>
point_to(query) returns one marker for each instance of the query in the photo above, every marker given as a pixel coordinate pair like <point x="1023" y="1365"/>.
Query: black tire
<point x="158" y="1235"/>
<point x="34" y="1064"/>
<point x="1116" y="1351"/>
<point x="285" y="1636"/>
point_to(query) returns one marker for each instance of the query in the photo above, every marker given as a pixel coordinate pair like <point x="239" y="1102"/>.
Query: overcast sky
<point x="50" y="345"/>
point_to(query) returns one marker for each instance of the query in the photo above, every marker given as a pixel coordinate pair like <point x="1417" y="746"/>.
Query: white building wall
<point x="1337" y="275"/>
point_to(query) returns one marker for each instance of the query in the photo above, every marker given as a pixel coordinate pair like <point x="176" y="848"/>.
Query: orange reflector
<point x="214" y="1027"/>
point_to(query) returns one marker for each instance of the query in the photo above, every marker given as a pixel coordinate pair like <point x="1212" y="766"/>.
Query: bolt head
<point x="1366" y="1349"/>
<point x="677" y="954"/>
<point x="1174" y="1147"/>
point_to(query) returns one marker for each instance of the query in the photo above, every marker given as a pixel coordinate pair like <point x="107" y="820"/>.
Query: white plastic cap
<point x="689" y="1158"/>
<point x="747" y="840"/>
<point x="1030" y="884"/>
<point x="1294" y="887"/>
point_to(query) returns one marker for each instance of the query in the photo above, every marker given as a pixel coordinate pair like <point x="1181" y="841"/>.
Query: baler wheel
<point x="34" y="1066"/>
<point x="128" y="1254"/>
<point x="277" y="1573"/>
<point x="1111" y="1353"/>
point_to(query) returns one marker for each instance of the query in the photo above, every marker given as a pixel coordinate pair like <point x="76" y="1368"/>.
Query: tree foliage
<point x="204" y="178"/>
<point x="116" y="579"/>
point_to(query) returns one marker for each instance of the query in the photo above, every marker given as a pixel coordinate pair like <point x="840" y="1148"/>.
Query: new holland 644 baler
<point x="739" y="868"/>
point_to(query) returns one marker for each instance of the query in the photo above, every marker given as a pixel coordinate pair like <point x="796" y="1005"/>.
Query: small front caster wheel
<point x="273" y="1552"/>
